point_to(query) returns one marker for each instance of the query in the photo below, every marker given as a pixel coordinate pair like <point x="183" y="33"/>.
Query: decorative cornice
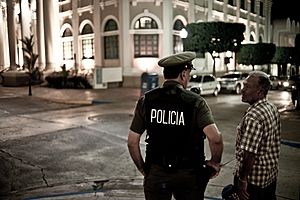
<point x="102" y="4"/>
<point x="88" y="8"/>
<point x="156" y="2"/>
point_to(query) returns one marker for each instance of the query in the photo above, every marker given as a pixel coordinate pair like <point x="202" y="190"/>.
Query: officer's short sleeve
<point x="204" y="115"/>
<point x="138" y="121"/>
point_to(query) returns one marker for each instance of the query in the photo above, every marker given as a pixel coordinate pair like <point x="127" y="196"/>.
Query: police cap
<point x="179" y="59"/>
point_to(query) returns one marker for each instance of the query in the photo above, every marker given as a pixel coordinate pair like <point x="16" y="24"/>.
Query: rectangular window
<point x="261" y="8"/>
<point x="177" y="44"/>
<point x="68" y="50"/>
<point x="88" y="48"/>
<point x="242" y="6"/>
<point x="146" y="45"/>
<point x="111" y="47"/>
<point x="252" y="6"/>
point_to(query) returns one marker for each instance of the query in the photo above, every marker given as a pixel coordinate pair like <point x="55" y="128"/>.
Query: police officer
<point x="176" y="121"/>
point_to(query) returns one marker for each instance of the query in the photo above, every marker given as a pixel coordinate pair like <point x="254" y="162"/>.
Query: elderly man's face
<point x="251" y="92"/>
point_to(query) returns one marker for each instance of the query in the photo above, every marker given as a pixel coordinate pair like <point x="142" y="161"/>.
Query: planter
<point x="14" y="78"/>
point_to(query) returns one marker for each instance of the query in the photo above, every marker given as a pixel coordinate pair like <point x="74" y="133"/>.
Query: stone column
<point x="2" y="36"/>
<point x="191" y="11"/>
<point x="247" y="31"/>
<point x="75" y="25"/>
<point x="52" y="38"/>
<point x="167" y="37"/>
<point x="209" y="10"/>
<point x="11" y="26"/>
<point x="97" y="35"/>
<point x="257" y="14"/>
<point x="225" y="10"/>
<point x="25" y="18"/>
<point x="40" y="34"/>
<point x="125" y="38"/>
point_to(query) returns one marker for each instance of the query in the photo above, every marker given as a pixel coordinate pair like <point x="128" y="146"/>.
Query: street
<point x="44" y="143"/>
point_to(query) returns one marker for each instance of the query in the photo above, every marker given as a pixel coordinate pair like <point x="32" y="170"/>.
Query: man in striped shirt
<point x="258" y="142"/>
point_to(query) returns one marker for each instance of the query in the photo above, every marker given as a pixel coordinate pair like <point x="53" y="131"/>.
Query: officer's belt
<point x="177" y="162"/>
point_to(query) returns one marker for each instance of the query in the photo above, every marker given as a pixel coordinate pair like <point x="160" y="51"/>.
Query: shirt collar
<point x="256" y="103"/>
<point x="171" y="83"/>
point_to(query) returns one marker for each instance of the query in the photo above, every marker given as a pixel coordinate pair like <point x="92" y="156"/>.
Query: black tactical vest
<point x="171" y="132"/>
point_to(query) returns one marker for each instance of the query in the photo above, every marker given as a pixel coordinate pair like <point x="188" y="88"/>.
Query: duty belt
<point x="175" y="162"/>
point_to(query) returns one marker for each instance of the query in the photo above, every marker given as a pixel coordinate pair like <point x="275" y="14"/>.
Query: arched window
<point x="111" y="25"/>
<point x="145" y="23"/>
<point x="145" y="45"/>
<point x="177" y="40"/>
<point x="87" y="29"/>
<point x="87" y="42"/>
<point x="67" y="41"/>
<point x="111" y="40"/>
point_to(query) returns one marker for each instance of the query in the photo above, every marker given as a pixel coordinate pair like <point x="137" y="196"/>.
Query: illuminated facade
<point x="118" y="40"/>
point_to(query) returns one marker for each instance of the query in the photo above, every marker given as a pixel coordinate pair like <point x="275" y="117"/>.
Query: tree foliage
<point x="256" y="54"/>
<point x="284" y="55"/>
<point x="214" y="36"/>
<point x="30" y="58"/>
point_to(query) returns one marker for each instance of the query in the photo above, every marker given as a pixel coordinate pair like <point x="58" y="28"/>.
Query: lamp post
<point x="214" y="56"/>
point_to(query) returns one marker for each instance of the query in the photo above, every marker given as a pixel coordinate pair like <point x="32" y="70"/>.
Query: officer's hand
<point x="215" y="166"/>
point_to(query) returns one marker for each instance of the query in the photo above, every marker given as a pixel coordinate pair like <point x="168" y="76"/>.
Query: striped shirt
<point x="259" y="133"/>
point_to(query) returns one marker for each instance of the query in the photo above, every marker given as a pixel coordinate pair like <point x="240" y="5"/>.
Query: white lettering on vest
<point x="167" y="117"/>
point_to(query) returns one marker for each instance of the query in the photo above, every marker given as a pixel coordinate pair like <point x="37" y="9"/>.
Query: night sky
<point x="281" y="9"/>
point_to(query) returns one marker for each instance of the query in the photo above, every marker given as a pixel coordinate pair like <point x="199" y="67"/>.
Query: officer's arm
<point x="133" y="144"/>
<point x="215" y="144"/>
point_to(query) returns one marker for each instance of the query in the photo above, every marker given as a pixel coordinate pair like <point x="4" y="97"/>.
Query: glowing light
<point x="146" y="64"/>
<point x="183" y="33"/>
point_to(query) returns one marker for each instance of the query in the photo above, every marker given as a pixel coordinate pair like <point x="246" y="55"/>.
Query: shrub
<point x="60" y="80"/>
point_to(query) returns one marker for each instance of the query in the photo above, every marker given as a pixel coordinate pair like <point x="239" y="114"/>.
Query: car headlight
<point x="285" y="84"/>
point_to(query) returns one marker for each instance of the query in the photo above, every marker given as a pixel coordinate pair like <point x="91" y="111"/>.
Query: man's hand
<point x="242" y="189"/>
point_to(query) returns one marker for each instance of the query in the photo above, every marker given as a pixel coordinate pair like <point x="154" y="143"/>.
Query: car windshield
<point x="196" y="78"/>
<point x="231" y="76"/>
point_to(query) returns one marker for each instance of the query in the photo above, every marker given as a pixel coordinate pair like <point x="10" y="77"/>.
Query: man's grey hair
<point x="263" y="81"/>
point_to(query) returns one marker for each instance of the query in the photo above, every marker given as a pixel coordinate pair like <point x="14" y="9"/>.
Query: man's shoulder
<point x="262" y="110"/>
<point x="190" y="96"/>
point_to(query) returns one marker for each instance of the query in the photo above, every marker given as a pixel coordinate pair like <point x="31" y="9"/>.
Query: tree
<point x="30" y="59"/>
<point x="256" y="54"/>
<point x="283" y="56"/>
<point x="214" y="38"/>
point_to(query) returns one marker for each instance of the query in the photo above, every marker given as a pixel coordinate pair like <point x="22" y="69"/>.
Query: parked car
<point x="233" y="81"/>
<point x="275" y="82"/>
<point x="286" y="82"/>
<point x="204" y="84"/>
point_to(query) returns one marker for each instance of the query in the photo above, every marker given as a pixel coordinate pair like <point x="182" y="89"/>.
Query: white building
<point x="118" y="40"/>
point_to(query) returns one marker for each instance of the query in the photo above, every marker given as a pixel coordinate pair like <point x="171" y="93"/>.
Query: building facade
<point x="115" y="41"/>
